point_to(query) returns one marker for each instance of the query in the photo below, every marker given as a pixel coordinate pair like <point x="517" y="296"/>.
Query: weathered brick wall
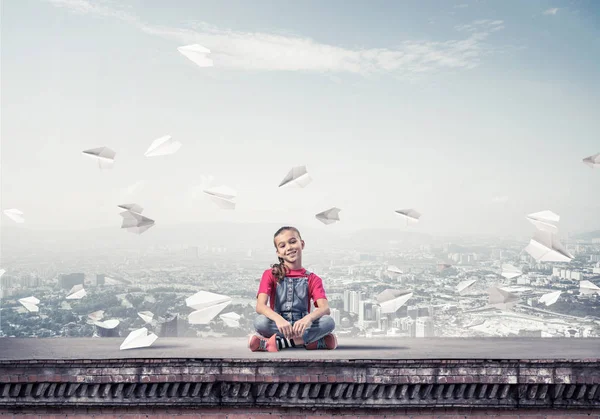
<point x="279" y="413"/>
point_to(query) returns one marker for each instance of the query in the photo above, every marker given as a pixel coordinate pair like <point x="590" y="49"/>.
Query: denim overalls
<point x="291" y="302"/>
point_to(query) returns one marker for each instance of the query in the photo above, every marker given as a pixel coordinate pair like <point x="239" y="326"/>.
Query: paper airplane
<point x="146" y="316"/>
<point x="15" y="215"/>
<point x="498" y="298"/>
<point x="391" y="300"/>
<point x="410" y="215"/>
<point x="76" y="293"/>
<point x="2" y="272"/>
<point x="544" y="220"/>
<point x="550" y="298"/>
<point x="509" y="271"/>
<point x="96" y="315"/>
<point x="197" y="54"/>
<point x="545" y="247"/>
<point x="463" y="285"/>
<point x="207" y="306"/>
<point x="231" y="319"/>
<point x="131" y="207"/>
<point x="329" y="216"/>
<point x="588" y="288"/>
<point x="223" y="196"/>
<point x="108" y="324"/>
<point x="30" y="303"/>
<point x="394" y="269"/>
<point x="138" y="339"/>
<point x="593" y="161"/>
<point x="104" y="155"/>
<point x="135" y="223"/>
<point x="163" y="146"/>
<point x="297" y="177"/>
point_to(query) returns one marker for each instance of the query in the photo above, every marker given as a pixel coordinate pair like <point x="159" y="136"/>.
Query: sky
<point x="474" y="113"/>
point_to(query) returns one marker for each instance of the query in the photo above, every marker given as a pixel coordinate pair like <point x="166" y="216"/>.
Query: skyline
<point x="473" y="115"/>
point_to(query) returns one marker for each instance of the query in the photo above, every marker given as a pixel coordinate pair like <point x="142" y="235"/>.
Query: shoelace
<point x="262" y="344"/>
<point x="321" y="344"/>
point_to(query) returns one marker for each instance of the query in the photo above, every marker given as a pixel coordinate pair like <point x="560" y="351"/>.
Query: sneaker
<point x="257" y="343"/>
<point x="326" y="342"/>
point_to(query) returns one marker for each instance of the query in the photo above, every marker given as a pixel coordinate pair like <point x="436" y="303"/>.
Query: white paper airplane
<point x="329" y="216"/>
<point x="76" y="293"/>
<point x="207" y="306"/>
<point x="15" y="215"/>
<point x="499" y="298"/>
<point x="550" y="298"/>
<point x="30" y="303"/>
<point x="394" y="269"/>
<point x="593" y="161"/>
<point x="138" y="339"/>
<point x="588" y="288"/>
<point x="463" y="285"/>
<point x="223" y="196"/>
<point x="104" y="155"/>
<point x="2" y="272"/>
<point x="296" y="177"/>
<point x="544" y="220"/>
<point x="197" y="54"/>
<point x="96" y="315"/>
<point x="131" y="207"/>
<point x="163" y="146"/>
<point x="545" y="247"/>
<point x="410" y="215"/>
<point x="509" y="271"/>
<point x="391" y="300"/>
<point x="231" y="319"/>
<point x="135" y="223"/>
<point x="146" y="316"/>
<point x="107" y="324"/>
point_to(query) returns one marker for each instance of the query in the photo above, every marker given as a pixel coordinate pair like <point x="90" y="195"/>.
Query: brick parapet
<point x="300" y="383"/>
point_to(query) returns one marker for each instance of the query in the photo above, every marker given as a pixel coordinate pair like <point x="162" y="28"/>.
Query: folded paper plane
<point x="410" y="215"/>
<point x="30" y="303"/>
<point x="231" y="319"/>
<point x="593" y="161"/>
<point x="207" y="305"/>
<point x="131" y="207"/>
<point x="550" y="298"/>
<point x="462" y="286"/>
<point x="139" y="338"/>
<point x="197" y="54"/>
<point x="501" y="299"/>
<point x="15" y="215"/>
<point x="146" y="316"/>
<point x="329" y="216"/>
<point x="103" y="155"/>
<point x="136" y="223"/>
<point x="509" y="271"/>
<point x="297" y="177"/>
<point x="391" y="300"/>
<point x="163" y="146"/>
<point x="223" y="196"/>
<point x="76" y="293"/>
<point x="545" y="247"/>
<point x="545" y="221"/>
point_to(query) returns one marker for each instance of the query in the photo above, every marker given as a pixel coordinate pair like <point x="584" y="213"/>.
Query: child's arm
<point x="322" y="310"/>
<point x="262" y="308"/>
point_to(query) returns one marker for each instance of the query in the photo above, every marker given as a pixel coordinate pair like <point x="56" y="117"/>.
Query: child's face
<point x="289" y="246"/>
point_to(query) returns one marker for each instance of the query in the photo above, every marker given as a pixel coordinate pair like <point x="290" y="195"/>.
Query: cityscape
<point x="439" y="287"/>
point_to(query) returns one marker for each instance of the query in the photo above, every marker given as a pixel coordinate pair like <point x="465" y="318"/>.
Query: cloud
<point x="552" y="11"/>
<point x="259" y="51"/>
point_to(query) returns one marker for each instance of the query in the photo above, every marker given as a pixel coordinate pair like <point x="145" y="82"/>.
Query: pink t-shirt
<point x="268" y="285"/>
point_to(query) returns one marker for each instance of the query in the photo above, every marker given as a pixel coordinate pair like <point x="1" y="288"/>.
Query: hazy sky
<point x="475" y="113"/>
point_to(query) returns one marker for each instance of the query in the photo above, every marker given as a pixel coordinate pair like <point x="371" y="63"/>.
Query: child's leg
<point x="265" y="326"/>
<point x="320" y="328"/>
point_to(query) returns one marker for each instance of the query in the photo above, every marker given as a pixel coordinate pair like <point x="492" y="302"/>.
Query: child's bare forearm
<point x="268" y="312"/>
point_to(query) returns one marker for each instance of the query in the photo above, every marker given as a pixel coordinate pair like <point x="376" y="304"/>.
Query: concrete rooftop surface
<point x="348" y="349"/>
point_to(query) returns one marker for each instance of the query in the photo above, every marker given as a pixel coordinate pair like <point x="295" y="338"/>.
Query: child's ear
<point x="302" y="241"/>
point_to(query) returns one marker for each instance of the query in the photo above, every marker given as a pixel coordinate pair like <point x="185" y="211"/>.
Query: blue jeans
<point x="319" y="328"/>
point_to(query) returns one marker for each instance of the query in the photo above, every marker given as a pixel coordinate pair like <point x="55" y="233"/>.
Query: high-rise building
<point x="68" y="281"/>
<point x="100" y="279"/>
<point x="347" y="300"/>
<point x="335" y="314"/>
<point x="424" y="327"/>
<point x="412" y="312"/>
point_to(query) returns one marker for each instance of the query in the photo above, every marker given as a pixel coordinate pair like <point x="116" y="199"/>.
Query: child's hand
<point x="300" y="326"/>
<point x="284" y="327"/>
